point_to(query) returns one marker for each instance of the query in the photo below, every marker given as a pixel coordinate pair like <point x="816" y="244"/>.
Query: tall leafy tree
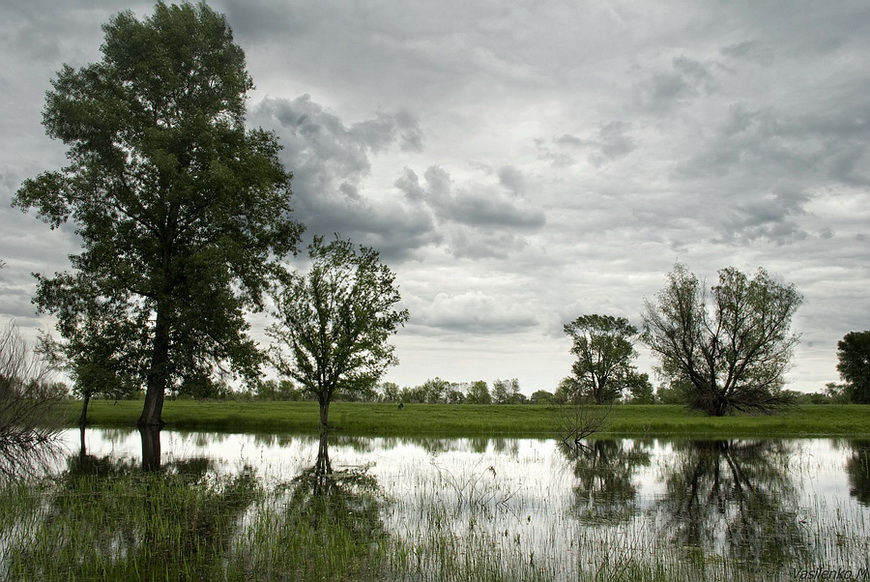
<point x="731" y="346"/>
<point x="183" y="214"/>
<point x="333" y="323"/>
<point x="604" y="348"/>
<point x="853" y="354"/>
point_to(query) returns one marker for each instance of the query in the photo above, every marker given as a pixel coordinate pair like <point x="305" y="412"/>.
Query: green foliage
<point x="853" y="354"/>
<point x="335" y="322"/>
<point x="640" y="389"/>
<point x="183" y="214"/>
<point x="675" y="393"/>
<point x="390" y="392"/>
<point x="541" y="397"/>
<point x="732" y="346"/>
<point x="478" y="393"/>
<point x="604" y="350"/>
<point x="507" y="392"/>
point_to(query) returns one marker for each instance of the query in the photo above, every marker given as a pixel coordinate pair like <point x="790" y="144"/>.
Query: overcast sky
<point x="522" y="163"/>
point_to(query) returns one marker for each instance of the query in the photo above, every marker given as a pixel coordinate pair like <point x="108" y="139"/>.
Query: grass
<point x="470" y="420"/>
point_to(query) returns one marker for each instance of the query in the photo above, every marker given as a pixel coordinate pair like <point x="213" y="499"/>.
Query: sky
<point x="518" y="164"/>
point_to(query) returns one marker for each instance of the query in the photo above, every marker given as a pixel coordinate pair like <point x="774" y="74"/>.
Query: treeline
<point x="439" y="391"/>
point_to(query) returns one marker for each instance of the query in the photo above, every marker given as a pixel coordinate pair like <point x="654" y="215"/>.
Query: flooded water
<point x="521" y="509"/>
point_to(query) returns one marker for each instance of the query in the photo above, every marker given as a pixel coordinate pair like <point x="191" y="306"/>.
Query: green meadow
<point x="468" y="419"/>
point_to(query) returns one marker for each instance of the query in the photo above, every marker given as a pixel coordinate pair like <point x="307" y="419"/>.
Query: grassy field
<point x="468" y="420"/>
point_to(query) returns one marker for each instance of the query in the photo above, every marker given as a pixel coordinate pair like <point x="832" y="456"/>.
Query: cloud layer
<point x="522" y="164"/>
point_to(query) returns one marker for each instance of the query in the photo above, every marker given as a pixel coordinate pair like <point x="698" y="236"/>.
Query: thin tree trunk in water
<point x="324" y="416"/>
<point x="83" y="419"/>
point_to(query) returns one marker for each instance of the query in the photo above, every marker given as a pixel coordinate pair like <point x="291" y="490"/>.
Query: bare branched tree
<point x="29" y="411"/>
<point x="581" y="420"/>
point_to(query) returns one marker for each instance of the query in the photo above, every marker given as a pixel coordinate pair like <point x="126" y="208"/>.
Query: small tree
<point x="541" y="397"/>
<point x="604" y="350"/>
<point x="29" y="412"/>
<point x="335" y="322"/>
<point x="507" y="392"/>
<point x="478" y="393"/>
<point x="853" y="353"/>
<point x="731" y="346"/>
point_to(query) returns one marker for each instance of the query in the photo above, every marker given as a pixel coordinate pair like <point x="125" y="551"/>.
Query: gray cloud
<point x="482" y="221"/>
<point x="472" y="312"/>
<point x="686" y="79"/>
<point x="570" y="150"/>
<point x="330" y="161"/>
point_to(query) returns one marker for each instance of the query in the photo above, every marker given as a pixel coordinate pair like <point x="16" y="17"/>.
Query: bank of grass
<point x="470" y="420"/>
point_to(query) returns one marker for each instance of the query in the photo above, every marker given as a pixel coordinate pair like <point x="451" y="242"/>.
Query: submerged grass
<point x="468" y="419"/>
<point x="105" y="519"/>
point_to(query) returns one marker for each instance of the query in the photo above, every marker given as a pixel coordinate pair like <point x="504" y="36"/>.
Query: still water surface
<point x="781" y="509"/>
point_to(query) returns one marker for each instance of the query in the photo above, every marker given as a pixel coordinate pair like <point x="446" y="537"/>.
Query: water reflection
<point x="734" y="497"/>
<point x="327" y="525"/>
<point x="336" y="507"/>
<point x="604" y="468"/>
<point x="106" y="518"/>
<point x="21" y="462"/>
<point x="858" y="469"/>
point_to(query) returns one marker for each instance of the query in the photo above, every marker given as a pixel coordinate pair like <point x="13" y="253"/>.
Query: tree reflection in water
<point x="735" y="498"/>
<point x="105" y="518"/>
<point x="858" y="468"/>
<point x="604" y="469"/>
<point x="327" y="526"/>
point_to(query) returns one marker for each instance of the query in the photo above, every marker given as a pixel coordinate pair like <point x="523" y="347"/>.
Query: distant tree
<point x="837" y="393"/>
<point x="435" y="390"/>
<point x="676" y="392"/>
<point x="183" y="214"/>
<point x="335" y="322"/>
<point x="390" y="392"/>
<point x="541" y="397"/>
<point x="569" y="391"/>
<point x="603" y="346"/>
<point x="478" y="393"/>
<point x="413" y="394"/>
<point x="454" y="395"/>
<point x="853" y="354"/>
<point x="640" y="389"/>
<point x="731" y="346"/>
<point x="507" y="392"/>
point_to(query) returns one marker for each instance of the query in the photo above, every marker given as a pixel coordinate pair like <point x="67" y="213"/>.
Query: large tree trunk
<point x="158" y="377"/>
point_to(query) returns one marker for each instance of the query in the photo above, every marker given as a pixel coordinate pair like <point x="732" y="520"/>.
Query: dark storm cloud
<point x="330" y="160"/>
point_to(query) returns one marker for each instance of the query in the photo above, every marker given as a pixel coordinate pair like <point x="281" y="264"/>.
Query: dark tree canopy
<point x="730" y="347"/>
<point x="853" y="354"/>
<point x="604" y="350"/>
<point x="183" y="214"/>
<point x="335" y="321"/>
